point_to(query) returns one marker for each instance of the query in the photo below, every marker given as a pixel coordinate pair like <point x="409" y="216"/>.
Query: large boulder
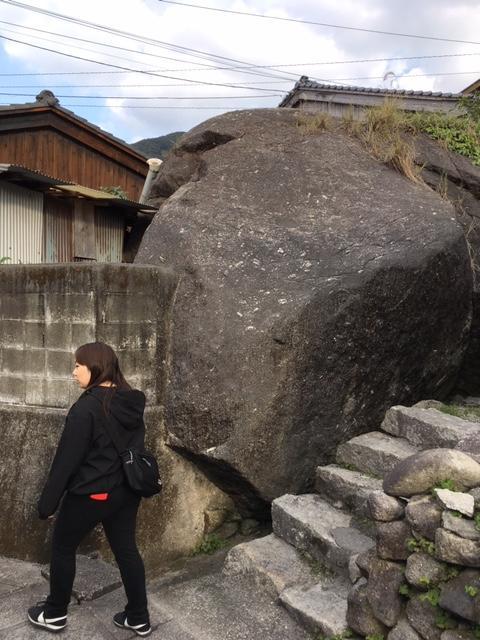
<point x="318" y="287"/>
<point x="458" y="179"/>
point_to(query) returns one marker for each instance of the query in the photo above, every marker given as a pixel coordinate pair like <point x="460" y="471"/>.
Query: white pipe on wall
<point x="153" y="168"/>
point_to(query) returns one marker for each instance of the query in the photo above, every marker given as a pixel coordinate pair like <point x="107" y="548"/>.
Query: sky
<point x="168" y="68"/>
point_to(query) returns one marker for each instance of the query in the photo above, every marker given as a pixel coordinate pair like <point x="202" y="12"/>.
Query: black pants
<point x="77" y="516"/>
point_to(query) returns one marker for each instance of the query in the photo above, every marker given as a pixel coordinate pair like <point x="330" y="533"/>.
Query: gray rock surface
<point x="424" y="515"/>
<point x="16" y="575"/>
<point x="403" y="631"/>
<point x="354" y="571"/>
<point x="383" y="584"/>
<point x="452" y="548"/>
<point x="470" y="444"/>
<point x="365" y="559"/>
<point x="321" y="608"/>
<point x="461" y="526"/>
<point x="374" y="452"/>
<point x="249" y="526"/>
<point x="458" y="634"/>
<point x="427" y="428"/>
<point x="459" y="179"/>
<point x="422" y="617"/>
<point x="424" y="572"/>
<point x="454" y="596"/>
<point x="346" y="488"/>
<point x="360" y="616"/>
<point x="428" y="404"/>
<point x="475" y="492"/>
<point x="392" y="540"/>
<point x="302" y="259"/>
<point x="273" y="564"/>
<point x="384" y="507"/>
<point x="422" y="471"/>
<point x="456" y="501"/>
<point x="310" y="524"/>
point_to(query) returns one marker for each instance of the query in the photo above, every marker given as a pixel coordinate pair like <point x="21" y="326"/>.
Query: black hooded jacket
<point x="86" y="460"/>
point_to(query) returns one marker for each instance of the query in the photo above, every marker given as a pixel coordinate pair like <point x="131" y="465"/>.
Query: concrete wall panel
<point x="47" y="311"/>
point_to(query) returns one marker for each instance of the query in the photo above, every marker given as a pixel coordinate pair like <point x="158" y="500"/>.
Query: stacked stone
<point x="421" y="581"/>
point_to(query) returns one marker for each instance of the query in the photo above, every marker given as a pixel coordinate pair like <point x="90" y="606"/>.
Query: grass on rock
<point x="465" y="412"/>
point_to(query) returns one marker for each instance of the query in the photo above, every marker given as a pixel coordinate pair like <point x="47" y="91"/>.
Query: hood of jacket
<point x="126" y="406"/>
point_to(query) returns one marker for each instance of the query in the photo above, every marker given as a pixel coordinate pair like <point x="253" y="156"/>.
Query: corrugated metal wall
<point x="109" y="234"/>
<point x="58" y="230"/>
<point x="21" y="224"/>
<point x="33" y="230"/>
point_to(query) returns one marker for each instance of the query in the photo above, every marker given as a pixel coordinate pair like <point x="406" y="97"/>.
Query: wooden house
<point x="60" y="181"/>
<point x="46" y="137"/>
<point x="338" y="100"/>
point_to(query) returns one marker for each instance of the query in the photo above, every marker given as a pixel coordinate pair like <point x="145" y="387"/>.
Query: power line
<point x="175" y="108"/>
<point x="150" y="86"/>
<point x="143" y="71"/>
<point x="274" y="95"/>
<point x="318" y="24"/>
<point x="114" y="86"/>
<point x="73" y="46"/>
<point x="409" y="75"/>
<point x="257" y="66"/>
<point x="203" y="66"/>
<point x="196" y="53"/>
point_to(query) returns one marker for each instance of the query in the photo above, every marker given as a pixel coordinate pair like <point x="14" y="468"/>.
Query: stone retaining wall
<point x="422" y="581"/>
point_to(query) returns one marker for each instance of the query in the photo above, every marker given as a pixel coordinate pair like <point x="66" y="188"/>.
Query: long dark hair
<point x="102" y="361"/>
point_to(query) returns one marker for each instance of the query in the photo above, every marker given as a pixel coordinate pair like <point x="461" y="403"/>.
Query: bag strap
<point x="106" y="425"/>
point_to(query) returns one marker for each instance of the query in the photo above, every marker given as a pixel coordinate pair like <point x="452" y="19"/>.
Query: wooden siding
<point x="76" y="129"/>
<point x="57" y="155"/>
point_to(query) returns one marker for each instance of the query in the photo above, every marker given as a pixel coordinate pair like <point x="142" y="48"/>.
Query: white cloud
<point x="253" y="40"/>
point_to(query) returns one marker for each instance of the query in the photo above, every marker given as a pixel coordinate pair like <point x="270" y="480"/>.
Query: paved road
<point x="195" y="602"/>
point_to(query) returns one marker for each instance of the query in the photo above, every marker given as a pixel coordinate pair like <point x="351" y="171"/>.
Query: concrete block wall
<point x="47" y="311"/>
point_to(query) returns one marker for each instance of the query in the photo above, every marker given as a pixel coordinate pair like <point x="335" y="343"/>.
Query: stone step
<point x="321" y="608"/>
<point x="93" y="578"/>
<point x="273" y="564"/>
<point x="427" y="428"/>
<point x="345" y="488"/>
<point x="374" y="453"/>
<point x="314" y="526"/>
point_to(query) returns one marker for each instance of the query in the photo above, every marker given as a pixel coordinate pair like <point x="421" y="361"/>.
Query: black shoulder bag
<point x="140" y="467"/>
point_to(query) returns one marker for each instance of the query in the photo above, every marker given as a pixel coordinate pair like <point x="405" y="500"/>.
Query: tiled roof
<point x="306" y="83"/>
<point x="47" y="99"/>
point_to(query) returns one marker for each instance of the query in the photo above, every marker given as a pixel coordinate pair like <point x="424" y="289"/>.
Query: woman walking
<point x="88" y="468"/>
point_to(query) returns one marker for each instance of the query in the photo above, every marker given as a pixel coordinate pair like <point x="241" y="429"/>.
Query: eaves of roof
<point x="472" y="88"/>
<point x="19" y="173"/>
<point x="305" y="84"/>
